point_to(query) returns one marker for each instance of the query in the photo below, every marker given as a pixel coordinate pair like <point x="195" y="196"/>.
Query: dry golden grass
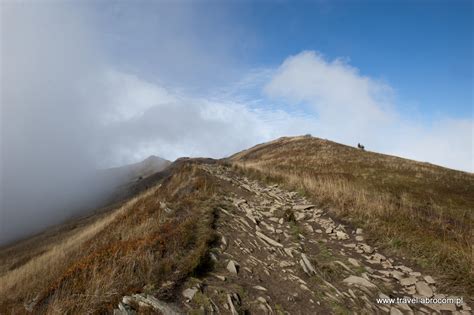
<point x="416" y="209"/>
<point x="131" y="249"/>
<point x="48" y="263"/>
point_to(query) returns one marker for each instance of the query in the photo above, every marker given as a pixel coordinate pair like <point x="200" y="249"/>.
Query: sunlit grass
<point x="414" y="208"/>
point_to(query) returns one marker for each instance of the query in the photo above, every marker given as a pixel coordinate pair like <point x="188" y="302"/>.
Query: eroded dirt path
<point x="279" y="254"/>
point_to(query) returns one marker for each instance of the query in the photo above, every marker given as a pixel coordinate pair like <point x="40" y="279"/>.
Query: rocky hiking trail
<point x="279" y="254"/>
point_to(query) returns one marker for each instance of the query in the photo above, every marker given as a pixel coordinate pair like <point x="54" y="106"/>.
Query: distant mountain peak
<point x="154" y="157"/>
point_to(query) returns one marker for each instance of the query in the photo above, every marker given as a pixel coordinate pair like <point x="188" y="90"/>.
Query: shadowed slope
<point x="161" y="234"/>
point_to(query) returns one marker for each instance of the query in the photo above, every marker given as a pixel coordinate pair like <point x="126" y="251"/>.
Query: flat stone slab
<point x="308" y="264"/>
<point x="268" y="240"/>
<point x="259" y="287"/>
<point x="429" y="279"/>
<point x="359" y="281"/>
<point x="423" y="289"/>
<point x="408" y="281"/>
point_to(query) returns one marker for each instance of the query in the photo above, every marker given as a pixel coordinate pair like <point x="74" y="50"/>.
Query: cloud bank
<point x="66" y="110"/>
<point x="48" y="122"/>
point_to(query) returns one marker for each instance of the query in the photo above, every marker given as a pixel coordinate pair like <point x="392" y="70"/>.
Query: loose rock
<point x="189" y="293"/>
<point x="359" y="281"/>
<point x="268" y="240"/>
<point x="429" y="279"/>
<point x="233" y="267"/>
<point x="423" y="289"/>
<point x="408" y="281"/>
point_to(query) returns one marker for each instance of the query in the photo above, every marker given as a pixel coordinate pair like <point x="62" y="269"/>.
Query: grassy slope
<point x="417" y="209"/>
<point x="133" y="248"/>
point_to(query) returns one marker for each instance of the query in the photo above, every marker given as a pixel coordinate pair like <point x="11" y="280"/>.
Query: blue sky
<point x="209" y="78"/>
<point x="424" y="49"/>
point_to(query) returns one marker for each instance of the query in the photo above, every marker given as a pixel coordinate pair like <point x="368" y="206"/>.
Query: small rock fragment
<point x="233" y="267"/>
<point x="288" y="251"/>
<point x="408" y="281"/>
<point x="231" y="305"/>
<point x="286" y="264"/>
<point x="308" y="264"/>
<point x="189" y="293"/>
<point x="366" y="248"/>
<point x="423" y="289"/>
<point x="341" y="235"/>
<point x="429" y="279"/>
<point x="268" y="240"/>
<point x="222" y="278"/>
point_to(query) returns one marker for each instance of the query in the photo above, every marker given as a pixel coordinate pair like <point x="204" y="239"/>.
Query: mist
<point x="47" y="125"/>
<point x="72" y="104"/>
<point x="90" y="86"/>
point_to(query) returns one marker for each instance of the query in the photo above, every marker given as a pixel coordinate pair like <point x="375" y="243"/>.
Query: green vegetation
<point x="295" y="230"/>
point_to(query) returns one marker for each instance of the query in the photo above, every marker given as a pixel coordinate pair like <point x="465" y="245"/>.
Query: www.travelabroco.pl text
<point x="405" y="300"/>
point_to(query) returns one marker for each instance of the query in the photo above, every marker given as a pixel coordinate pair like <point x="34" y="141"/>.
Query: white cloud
<point x="447" y="142"/>
<point x="354" y="108"/>
<point x="128" y="97"/>
<point x="346" y="107"/>
<point x="64" y="111"/>
<point x="172" y="124"/>
<point x="332" y="88"/>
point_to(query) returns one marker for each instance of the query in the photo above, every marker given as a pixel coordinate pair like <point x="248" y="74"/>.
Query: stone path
<point x="279" y="254"/>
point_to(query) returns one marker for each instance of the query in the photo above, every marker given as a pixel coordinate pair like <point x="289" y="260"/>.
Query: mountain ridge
<point x="233" y="235"/>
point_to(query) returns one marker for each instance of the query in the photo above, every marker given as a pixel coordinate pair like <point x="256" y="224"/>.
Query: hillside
<point x="118" y="184"/>
<point x="416" y="209"/>
<point x="76" y="197"/>
<point x="136" y="171"/>
<point x="294" y="226"/>
<point x="87" y="265"/>
<point x="125" y="181"/>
